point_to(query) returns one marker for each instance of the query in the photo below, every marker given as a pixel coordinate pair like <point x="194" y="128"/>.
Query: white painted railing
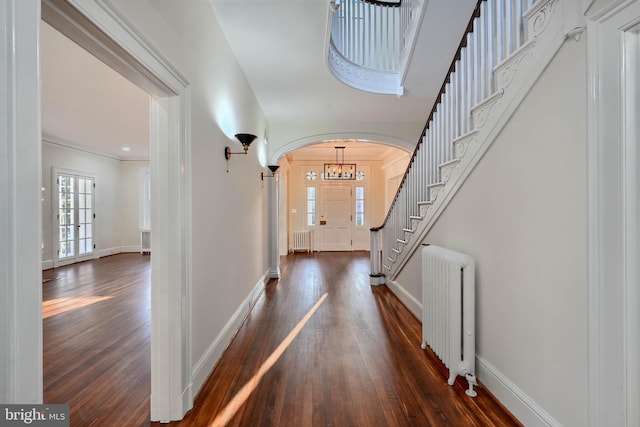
<point x="497" y="29"/>
<point x="371" y="35"/>
<point x="370" y="42"/>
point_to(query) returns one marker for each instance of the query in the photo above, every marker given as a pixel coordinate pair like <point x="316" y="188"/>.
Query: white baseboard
<point x="47" y="264"/>
<point x="109" y="251"/>
<point x="187" y="398"/>
<point x="203" y="368"/>
<point x="118" y="250"/>
<point x="523" y="407"/>
<point x="406" y="298"/>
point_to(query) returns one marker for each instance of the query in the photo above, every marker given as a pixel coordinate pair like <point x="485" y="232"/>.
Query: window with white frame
<point x="311" y="206"/>
<point x="359" y="206"/>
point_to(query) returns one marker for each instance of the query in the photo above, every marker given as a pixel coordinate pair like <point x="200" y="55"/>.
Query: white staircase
<point x="511" y="44"/>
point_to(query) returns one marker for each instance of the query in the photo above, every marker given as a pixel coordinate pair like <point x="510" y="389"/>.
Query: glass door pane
<point x="85" y="216"/>
<point x="66" y="216"/>
<point x="75" y="217"/>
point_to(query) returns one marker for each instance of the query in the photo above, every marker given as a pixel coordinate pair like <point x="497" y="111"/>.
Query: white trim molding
<point x="613" y="169"/>
<point x="20" y="203"/>
<point x="361" y="136"/>
<point x="365" y="79"/>
<point x="523" y="407"/>
<point x="414" y="306"/>
<point x="631" y="110"/>
<point x="203" y="367"/>
<point x="100" y="28"/>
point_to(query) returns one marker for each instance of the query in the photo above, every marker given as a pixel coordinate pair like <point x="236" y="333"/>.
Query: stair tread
<point x="505" y="95"/>
<point x="450" y="162"/>
<point x="466" y="135"/>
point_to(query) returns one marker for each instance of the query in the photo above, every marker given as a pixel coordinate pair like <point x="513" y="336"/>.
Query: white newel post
<point x="376" y="277"/>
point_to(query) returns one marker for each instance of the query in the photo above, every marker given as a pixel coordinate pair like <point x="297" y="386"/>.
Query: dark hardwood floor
<point x="320" y="348"/>
<point x="96" y="331"/>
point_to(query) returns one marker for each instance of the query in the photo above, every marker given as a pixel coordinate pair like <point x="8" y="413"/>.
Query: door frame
<point x="613" y="208"/>
<point x="99" y="28"/>
<point x="21" y="207"/>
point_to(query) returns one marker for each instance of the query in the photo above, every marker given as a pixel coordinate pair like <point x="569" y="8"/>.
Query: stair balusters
<point x="497" y="30"/>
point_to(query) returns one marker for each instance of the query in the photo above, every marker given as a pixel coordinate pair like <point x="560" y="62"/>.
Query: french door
<point x="74" y="219"/>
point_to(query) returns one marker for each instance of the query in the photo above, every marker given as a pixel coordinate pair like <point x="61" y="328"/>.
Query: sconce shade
<point x="273" y="169"/>
<point x="245" y="139"/>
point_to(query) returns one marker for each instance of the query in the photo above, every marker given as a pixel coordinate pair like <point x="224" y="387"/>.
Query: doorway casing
<point x="100" y="29"/>
<point x="104" y="32"/>
<point x="614" y="239"/>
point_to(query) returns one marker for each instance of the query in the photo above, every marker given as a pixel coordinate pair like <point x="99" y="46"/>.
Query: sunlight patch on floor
<point x="62" y="305"/>
<point x="238" y="400"/>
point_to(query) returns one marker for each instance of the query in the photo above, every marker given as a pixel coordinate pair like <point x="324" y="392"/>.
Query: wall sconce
<point x="245" y="139"/>
<point x="273" y="169"/>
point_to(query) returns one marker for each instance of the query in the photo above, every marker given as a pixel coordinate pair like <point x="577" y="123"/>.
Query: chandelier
<point x="339" y="170"/>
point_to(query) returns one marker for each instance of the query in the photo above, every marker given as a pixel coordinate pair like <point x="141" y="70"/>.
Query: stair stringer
<point x="514" y="79"/>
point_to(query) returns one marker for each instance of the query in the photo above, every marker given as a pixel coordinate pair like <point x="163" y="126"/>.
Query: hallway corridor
<point x="357" y="360"/>
<point x="320" y="348"/>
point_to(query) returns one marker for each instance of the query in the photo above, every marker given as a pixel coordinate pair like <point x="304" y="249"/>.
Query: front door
<point x="335" y="218"/>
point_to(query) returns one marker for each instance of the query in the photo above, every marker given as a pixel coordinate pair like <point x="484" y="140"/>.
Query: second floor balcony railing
<point x="371" y="40"/>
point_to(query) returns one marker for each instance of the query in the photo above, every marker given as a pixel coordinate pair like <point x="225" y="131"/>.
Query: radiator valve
<point x="471" y="379"/>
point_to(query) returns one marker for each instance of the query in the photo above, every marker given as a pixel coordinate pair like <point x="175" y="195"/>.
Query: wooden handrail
<point x="456" y="57"/>
<point x="397" y="3"/>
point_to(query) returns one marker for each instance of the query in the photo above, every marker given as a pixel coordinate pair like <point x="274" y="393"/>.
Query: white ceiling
<point x="281" y="46"/>
<point x="87" y="104"/>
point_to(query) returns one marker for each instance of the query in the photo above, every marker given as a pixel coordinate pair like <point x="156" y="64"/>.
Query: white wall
<point x="116" y="198"/>
<point x="523" y="215"/>
<point x="130" y="196"/>
<point x="394" y="169"/>
<point x="229" y="210"/>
